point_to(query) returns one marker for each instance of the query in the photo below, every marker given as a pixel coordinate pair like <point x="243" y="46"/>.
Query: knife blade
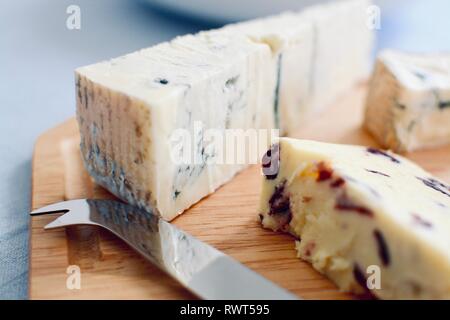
<point x="202" y="269"/>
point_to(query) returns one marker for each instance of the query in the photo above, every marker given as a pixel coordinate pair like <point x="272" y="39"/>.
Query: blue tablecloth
<point x="38" y="55"/>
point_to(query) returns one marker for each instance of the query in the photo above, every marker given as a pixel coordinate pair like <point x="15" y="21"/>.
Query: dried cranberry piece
<point x="337" y="183"/>
<point x="362" y="281"/>
<point x="271" y="162"/>
<point x="378" y="172"/>
<point x="383" y="250"/>
<point x="382" y="153"/>
<point x="280" y="205"/>
<point x="279" y="202"/>
<point x="359" y="276"/>
<point x="309" y="248"/>
<point x="324" y="172"/>
<point x="343" y="202"/>
<point x="436" y="185"/>
<point x="419" y="220"/>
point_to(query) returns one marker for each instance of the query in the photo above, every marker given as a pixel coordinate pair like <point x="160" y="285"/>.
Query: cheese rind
<point x="408" y="104"/>
<point x="354" y="209"/>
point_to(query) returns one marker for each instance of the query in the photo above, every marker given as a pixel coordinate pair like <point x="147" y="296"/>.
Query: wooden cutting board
<point x="226" y="219"/>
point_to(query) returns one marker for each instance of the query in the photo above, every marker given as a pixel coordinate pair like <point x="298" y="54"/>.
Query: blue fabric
<point x="38" y="55"/>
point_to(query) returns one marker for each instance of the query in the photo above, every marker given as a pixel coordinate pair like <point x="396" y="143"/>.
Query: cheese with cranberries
<point x="408" y="105"/>
<point x="368" y="219"/>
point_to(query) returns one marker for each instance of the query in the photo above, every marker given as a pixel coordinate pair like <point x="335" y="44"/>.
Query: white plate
<point x="230" y="10"/>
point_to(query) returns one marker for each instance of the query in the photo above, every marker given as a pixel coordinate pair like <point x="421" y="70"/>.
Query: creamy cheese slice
<point x="366" y="218"/>
<point x="408" y="105"/>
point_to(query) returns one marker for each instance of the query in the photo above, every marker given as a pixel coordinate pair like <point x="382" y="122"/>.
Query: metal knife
<point x="202" y="269"/>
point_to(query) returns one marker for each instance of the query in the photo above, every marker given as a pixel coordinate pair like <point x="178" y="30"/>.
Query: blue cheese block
<point x="268" y="73"/>
<point x="408" y="105"/>
<point x="131" y="109"/>
<point x="366" y="218"/>
<point x="320" y="53"/>
<point x="292" y="43"/>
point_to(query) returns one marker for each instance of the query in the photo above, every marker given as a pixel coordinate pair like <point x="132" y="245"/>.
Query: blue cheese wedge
<point x="408" y="105"/>
<point x="356" y="210"/>
<point x="129" y="108"/>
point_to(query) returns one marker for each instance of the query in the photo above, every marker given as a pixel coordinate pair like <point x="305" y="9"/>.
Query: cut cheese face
<point x="408" y="105"/>
<point x="354" y="210"/>
<point x="291" y="40"/>
<point x="263" y="74"/>
<point x="129" y="108"/>
<point x="321" y="52"/>
<point x="343" y="45"/>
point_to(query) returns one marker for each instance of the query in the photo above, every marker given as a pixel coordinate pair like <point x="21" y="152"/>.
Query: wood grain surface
<point x="226" y="219"/>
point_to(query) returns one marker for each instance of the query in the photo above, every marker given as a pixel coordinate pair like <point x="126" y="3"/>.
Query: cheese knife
<point x="202" y="269"/>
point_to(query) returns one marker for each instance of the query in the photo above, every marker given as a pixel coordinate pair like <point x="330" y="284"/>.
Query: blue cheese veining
<point x="137" y="101"/>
